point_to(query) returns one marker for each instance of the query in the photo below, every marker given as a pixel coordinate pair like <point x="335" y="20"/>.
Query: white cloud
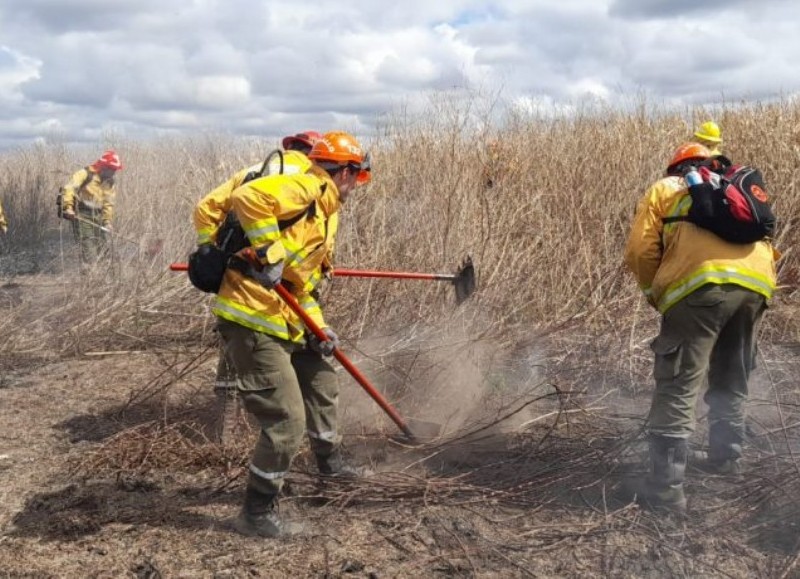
<point x="222" y="91"/>
<point x="15" y="69"/>
<point x="264" y="67"/>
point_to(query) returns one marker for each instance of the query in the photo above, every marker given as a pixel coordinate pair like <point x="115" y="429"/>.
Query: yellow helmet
<point x="709" y="131"/>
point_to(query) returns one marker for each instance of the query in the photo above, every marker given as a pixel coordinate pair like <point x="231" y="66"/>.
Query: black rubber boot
<point x="701" y="461"/>
<point x="724" y="448"/>
<point x="662" y="489"/>
<point x="334" y="465"/>
<point x="259" y="517"/>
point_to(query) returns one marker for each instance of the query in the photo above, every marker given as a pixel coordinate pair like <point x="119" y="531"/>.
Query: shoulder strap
<point x="264" y="170"/>
<point x="309" y="212"/>
<point x="265" y="166"/>
<point x="675" y="218"/>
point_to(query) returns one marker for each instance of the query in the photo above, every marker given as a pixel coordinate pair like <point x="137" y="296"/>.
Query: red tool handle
<point x="345" y="361"/>
<point x="361" y="273"/>
<point x="391" y="274"/>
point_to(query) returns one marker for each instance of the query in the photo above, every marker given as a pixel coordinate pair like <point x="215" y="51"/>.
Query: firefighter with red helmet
<point x="88" y="201"/>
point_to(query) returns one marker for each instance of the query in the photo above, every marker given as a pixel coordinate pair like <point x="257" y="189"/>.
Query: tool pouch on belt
<point x="207" y="268"/>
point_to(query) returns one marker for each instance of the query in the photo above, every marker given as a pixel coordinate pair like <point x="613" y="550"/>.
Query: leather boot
<point x="662" y="489"/>
<point x="334" y="465"/>
<point x="259" y="517"/>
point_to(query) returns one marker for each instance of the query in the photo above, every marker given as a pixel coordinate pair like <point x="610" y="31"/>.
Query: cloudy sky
<point x="80" y="69"/>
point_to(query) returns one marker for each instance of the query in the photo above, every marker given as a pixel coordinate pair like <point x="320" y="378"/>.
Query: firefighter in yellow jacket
<point x="3" y="223"/>
<point x="88" y="201"/>
<point x="284" y="381"/>
<point x="711" y="294"/>
<point x="211" y="211"/>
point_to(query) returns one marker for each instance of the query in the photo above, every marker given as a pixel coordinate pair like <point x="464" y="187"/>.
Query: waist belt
<point x="89" y="205"/>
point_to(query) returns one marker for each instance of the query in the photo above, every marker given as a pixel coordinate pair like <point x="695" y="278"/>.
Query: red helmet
<point x="307" y="138"/>
<point x="109" y="159"/>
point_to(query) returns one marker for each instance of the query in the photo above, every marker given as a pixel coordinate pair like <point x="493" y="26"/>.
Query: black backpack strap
<point x="265" y="166"/>
<point x="262" y="172"/>
<point x="309" y="212"/>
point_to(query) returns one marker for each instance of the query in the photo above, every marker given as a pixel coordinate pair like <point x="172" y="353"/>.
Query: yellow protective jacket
<point x="304" y="247"/>
<point x="96" y="195"/>
<point x="210" y="212"/>
<point x="673" y="260"/>
<point x="3" y="223"/>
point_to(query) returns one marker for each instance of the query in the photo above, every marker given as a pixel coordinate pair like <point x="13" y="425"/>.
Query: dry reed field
<point x="109" y="464"/>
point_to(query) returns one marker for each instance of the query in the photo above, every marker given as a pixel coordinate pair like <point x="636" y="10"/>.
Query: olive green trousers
<point x="90" y="237"/>
<point x="707" y="337"/>
<point x="289" y="390"/>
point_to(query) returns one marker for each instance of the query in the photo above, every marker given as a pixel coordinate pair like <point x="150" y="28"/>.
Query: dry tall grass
<point x="547" y="238"/>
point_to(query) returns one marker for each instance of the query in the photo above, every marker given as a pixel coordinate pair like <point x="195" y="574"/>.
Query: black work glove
<point x="325" y="348"/>
<point x="269" y="276"/>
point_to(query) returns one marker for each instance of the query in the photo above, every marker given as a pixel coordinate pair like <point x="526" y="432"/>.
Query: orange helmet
<point x="340" y="148"/>
<point x="307" y="138"/>
<point x="688" y="152"/>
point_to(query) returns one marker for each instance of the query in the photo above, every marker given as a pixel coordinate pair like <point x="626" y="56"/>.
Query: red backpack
<point x="732" y="203"/>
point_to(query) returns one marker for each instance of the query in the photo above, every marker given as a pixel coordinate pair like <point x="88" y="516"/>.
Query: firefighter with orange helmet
<point x="210" y="214"/>
<point x="284" y="379"/>
<point x="88" y="201"/>
<point x="711" y="294"/>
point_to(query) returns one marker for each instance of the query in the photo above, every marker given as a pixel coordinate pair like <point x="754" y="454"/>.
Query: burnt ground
<point x="109" y="467"/>
<point x="81" y="497"/>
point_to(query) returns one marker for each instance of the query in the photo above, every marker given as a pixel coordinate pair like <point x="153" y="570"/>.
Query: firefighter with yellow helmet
<point x="709" y="135"/>
<point x="284" y="379"/>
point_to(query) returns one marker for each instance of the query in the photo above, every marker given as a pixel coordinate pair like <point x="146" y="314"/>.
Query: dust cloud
<point x="443" y="376"/>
